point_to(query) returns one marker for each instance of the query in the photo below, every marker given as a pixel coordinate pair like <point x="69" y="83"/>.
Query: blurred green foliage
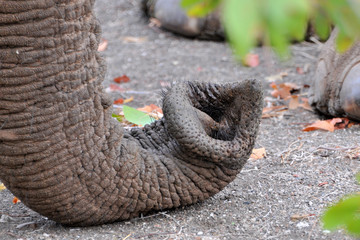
<point x="278" y="22"/>
<point x="345" y="213"/>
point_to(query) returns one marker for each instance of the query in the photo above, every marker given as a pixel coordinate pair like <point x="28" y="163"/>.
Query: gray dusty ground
<point x="300" y="176"/>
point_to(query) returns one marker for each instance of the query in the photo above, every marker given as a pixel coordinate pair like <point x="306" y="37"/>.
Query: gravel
<point x="281" y="196"/>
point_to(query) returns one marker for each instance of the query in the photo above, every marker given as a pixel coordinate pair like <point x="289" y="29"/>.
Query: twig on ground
<point x="155" y="234"/>
<point x="289" y="150"/>
<point x="127" y="236"/>
<point x="171" y="217"/>
<point x="339" y="148"/>
<point x="15" y="216"/>
<point x="315" y="40"/>
<point x="13" y="235"/>
<point x="304" y="54"/>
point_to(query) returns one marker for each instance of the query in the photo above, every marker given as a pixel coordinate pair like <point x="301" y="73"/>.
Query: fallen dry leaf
<point x="327" y="125"/>
<point x="276" y="77"/>
<point x="283" y="90"/>
<point x="343" y="124"/>
<point x="2" y="187"/>
<point x="154" y="22"/>
<point x="305" y="104"/>
<point x="251" y="60"/>
<point x="258" y="153"/>
<point x="103" y="45"/>
<point x="122" y="79"/>
<point x="115" y="88"/>
<point x="274" y="111"/>
<point x="130" y="99"/>
<point x="119" y="101"/>
<point x="153" y="111"/>
<point x="130" y="39"/>
<point x="299" y="70"/>
<point x="294" y="102"/>
<point x="151" y="108"/>
<point x="15" y="200"/>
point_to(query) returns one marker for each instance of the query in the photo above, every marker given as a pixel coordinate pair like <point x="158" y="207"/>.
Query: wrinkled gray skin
<point x="335" y="90"/>
<point x="172" y="17"/>
<point x="64" y="155"/>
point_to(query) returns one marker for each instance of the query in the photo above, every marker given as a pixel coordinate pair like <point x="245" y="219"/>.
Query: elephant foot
<point x="174" y="18"/>
<point x="335" y="89"/>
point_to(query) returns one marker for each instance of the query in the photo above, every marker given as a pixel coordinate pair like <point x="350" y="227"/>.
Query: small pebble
<point x="302" y="225"/>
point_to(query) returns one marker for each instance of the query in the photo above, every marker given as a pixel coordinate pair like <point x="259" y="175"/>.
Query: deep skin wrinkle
<point x="64" y="155"/>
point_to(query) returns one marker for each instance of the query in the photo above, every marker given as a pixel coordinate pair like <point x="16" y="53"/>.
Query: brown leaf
<point x="130" y="99"/>
<point x="251" y="60"/>
<point x="103" y="45"/>
<point x="119" y="101"/>
<point x="305" y="104"/>
<point x="343" y="124"/>
<point x="2" y="187"/>
<point x="116" y="88"/>
<point x="258" y="153"/>
<point x="151" y="108"/>
<point x="327" y="125"/>
<point x="276" y="77"/>
<point x="274" y="111"/>
<point x="283" y="90"/>
<point x="153" y="111"/>
<point x="15" y="200"/>
<point x="294" y="102"/>
<point x="293" y="86"/>
<point x="154" y="22"/>
<point x="299" y="70"/>
<point x="122" y="79"/>
<point x="283" y="93"/>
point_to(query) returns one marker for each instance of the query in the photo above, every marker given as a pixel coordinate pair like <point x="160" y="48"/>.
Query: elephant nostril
<point x="218" y="128"/>
<point x="225" y="133"/>
<point x="350" y="92"/>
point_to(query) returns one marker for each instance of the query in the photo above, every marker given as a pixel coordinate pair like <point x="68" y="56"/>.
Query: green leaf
<point x="345" y="15"/>
<point x="344" y="42"/>
<point x="345" y="213"/>
<point x="242" y="24"/>
<point x="322" y="25"/>
<point x="285" y="21"/>
<point x="189" y="3"/>
<point x="199" y="8"/>
<point x="137" y="117"/>
<point x="118" y="117"/>
<point x="298" y="14"/>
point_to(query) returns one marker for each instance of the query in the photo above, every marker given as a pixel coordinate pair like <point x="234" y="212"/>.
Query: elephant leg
<point x="335" y="90"/>
<point x="175" y="19"/>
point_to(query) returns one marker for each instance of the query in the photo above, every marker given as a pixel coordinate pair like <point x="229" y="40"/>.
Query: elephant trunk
<point x="65" y="157"/>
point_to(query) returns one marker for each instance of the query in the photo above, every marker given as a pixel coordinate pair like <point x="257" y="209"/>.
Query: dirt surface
<point x="281" y="196"/>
